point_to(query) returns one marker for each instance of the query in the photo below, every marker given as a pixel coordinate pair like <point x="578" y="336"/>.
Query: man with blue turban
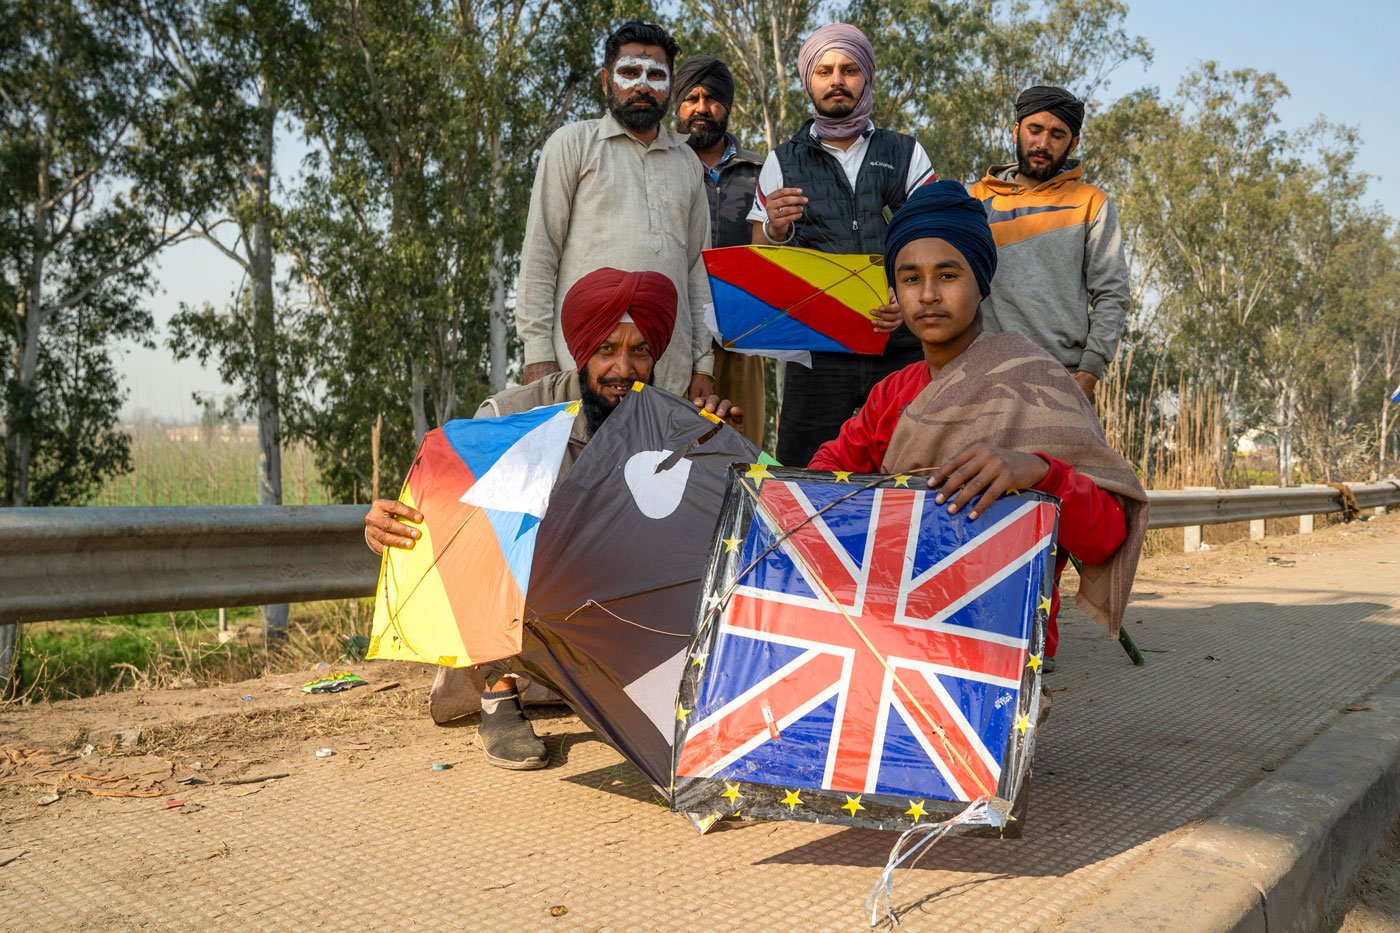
<point x="983" y="413"/>
<point x="831" y="187"/>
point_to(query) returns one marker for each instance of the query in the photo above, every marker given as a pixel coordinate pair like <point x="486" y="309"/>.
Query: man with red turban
<point x="616" y="325"/>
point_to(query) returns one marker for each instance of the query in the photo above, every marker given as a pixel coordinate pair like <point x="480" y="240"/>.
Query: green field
<point x="172" y="466"/>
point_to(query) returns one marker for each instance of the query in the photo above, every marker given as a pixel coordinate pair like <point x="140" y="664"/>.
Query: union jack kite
<point x="863" y="657"/>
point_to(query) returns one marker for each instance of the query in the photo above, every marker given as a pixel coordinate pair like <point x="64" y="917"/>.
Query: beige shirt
<point x="602" y="198"/>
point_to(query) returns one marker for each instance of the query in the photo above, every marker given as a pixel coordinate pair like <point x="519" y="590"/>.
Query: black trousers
<point x="817" y="401"/>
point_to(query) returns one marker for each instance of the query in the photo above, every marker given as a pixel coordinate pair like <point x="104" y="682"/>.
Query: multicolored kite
<point x="786" y="301"/>
<point x="864" y="658"/>
<point x="458" y="597"/>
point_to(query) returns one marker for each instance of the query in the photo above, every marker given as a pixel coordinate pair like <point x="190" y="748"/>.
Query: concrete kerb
<point x="1278" y="856"/>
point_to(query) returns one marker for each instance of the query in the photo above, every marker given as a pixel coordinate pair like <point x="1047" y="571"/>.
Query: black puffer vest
<point x="839" y="220"/>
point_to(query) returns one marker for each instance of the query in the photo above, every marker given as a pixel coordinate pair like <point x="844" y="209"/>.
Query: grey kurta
<point x="602" y="198"/>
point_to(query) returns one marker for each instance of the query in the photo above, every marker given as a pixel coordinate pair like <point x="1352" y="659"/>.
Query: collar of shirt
<point x="853" y="156"/>
<point x="609" y="127"/>
<point x="731" y="149"/>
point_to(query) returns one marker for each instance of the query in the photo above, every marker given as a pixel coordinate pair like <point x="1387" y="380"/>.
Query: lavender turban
<point x="852" y="43"/>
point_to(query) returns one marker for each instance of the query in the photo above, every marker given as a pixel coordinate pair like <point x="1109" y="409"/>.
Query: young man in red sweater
<point x="974" y="412"/>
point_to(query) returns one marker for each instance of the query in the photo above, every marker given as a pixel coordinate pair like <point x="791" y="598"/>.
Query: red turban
<point x="596" y="303"/>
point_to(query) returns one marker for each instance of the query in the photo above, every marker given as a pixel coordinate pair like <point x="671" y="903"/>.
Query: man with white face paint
<point x="621" y="191"/>
<point x="832" y="187"/>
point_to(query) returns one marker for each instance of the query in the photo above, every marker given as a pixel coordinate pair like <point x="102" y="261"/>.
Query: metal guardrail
<point x="73" y="563"/>
<point x="68" y="563"/>
<point x="1178" y="508"/>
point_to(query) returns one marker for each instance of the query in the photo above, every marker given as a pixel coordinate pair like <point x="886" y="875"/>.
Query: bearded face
<point x="704" y="130"/>
<point x="638" y="89"/>
<point x="1043" y="146"/>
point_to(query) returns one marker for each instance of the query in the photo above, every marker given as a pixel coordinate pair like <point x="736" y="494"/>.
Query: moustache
<point x="836" y="93"/>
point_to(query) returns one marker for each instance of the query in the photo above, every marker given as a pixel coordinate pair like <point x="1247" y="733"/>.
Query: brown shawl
<point x="1008" y="392"/>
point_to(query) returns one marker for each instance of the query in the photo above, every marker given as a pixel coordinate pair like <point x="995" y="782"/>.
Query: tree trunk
<point x="261" y="271"/>
<point x="497" y="320"/>
<point x="417" y="402"/>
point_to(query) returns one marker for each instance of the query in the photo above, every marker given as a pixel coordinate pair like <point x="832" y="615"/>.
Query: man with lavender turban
<point x="831" y="187"/>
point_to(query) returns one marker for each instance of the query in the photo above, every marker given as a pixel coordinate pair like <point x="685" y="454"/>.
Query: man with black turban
<point x="831" y="187"/>
<point x="984" y="413"/>
<point x="1064" y="279"/>
<point x="703" y="91"/>
<point x="616" y="325"/>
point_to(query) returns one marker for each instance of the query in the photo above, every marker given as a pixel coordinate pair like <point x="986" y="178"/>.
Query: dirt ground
<point x="150" y="748"/>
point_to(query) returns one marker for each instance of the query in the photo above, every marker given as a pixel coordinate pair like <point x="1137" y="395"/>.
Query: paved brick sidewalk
<point x="1240" y="675"/>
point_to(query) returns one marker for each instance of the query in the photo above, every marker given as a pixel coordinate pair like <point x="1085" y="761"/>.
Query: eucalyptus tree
<point x="426" y="121"/>
<point x="96" y="164"/>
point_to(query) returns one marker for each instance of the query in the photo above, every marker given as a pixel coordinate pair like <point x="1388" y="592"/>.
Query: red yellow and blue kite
<point x="787" y="301"/>
<point x="482" y="486"/>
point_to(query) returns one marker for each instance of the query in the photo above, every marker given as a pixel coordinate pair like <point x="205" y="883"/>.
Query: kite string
<point x="784" y="535"/>
<point x="884" y="662"/>
<point x="392" y="612"/>
<point x="597" y="605"/>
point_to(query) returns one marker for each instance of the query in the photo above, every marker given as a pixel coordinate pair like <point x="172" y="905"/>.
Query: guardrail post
<point x="1256" y="525"/>
<point x="9" y="661"/>
<point x="1305" y="524"/>
<point x="1380" y="510"/>
<point x="1192" y="534"/>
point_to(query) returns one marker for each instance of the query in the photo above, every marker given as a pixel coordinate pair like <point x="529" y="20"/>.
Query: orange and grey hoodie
<point x="1061" y="279"/>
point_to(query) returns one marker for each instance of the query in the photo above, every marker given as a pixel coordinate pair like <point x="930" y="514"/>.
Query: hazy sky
<point x="1336" y="61"/>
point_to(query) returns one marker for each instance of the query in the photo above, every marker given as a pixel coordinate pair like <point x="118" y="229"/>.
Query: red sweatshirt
<point x="1091" y="520"/>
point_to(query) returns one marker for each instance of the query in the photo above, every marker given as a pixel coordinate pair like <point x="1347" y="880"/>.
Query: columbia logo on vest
<point x="881" y="165"/>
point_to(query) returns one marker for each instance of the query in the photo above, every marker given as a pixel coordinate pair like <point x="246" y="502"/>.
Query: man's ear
<point x="893" y="299"/>
<point x="606" y="78"/>
<point x="1016" y="133"/>
<point x="1073" y="145"/>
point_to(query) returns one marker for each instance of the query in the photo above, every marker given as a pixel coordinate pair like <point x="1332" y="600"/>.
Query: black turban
<point x="944" y="210"/>
<point x="1056" y="100"/>
<point x="708" y="72"/>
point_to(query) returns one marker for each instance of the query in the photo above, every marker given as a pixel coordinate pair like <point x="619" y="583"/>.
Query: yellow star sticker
<point x="1044" y="604"/>
<point x="708" y="821"/>
<point x="731" y="545"/>
<point x="852" y="804"/>
<point x="682" y="714"/>
<point x="700" y="659"/>
<point x="1022" y="723"/>
<point x="842" y="476"/>
<point x="916" y="810"/>
<point x="792" y="800"/>
<point x="1033" y="662"/>
<point x="758" y="472"/>
<point x="731" y="792"/>
<point x="903" y="480"/>
<point x="1054" y="549"/>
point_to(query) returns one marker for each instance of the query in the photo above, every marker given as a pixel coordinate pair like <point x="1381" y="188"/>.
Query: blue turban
<point x="944" y="209"/>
